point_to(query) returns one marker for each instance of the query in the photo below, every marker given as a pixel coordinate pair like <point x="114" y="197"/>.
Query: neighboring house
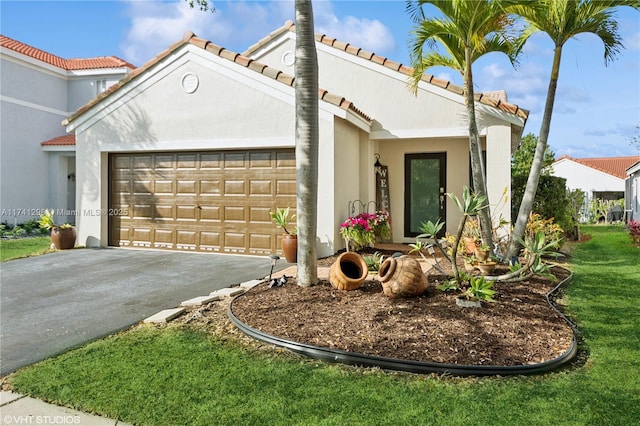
<point x="598" y="178"/>
<point x="38" y="90"/>
<point x="632" y="192"/>
<point x="194" y="149"/>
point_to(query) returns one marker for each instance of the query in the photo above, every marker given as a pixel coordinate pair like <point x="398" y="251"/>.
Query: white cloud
<point x="157" y="25"/>
<point x="238" y="24"/>
<point x="368" y="34"/>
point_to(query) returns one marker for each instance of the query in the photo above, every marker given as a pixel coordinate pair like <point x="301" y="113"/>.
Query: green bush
<point x="552" y="200"/>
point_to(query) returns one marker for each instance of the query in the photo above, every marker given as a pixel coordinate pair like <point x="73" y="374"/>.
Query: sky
<point x="597" y="107"/>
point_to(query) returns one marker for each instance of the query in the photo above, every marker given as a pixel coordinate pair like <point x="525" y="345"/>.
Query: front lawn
<point x="24" y="247"/>
<point x="180" y="375"/>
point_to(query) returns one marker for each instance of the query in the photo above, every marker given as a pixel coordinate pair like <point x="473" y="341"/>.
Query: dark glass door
<point x="425" y="187"/>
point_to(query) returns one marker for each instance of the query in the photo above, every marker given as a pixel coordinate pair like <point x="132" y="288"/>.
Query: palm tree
<point x="467" y="30"/>
<point x="561" y="20"/>
<point x="307" y="140"/>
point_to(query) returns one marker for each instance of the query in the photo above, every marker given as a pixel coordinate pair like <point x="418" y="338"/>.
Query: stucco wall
<point x="433" y="121"/>
<point x="227" y="111"/>
<point x="33" y="105"/>
<point x="392" y="154"/>
<point x="586" y="178"/>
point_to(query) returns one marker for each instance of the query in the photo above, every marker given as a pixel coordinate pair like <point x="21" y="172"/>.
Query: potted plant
<point x="479" y="290"/>
<point x="482" y="252"/>
<point x="289" y="238"/>
<point x="487" y="266"/>
<point x="471" y="234"/>
<point x="63" y="236"/>
<point x="362" y="230"/>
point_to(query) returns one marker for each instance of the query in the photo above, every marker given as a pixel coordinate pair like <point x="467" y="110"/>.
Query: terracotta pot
<point x="487" y="267"/>
<point x="402" y="277"/>
<point x="348" y="271"/>
<point x="469" y="266"/>
<point x="63" y="238"/>
<point x="469" y="244"/>
<point x="481" y="254"/>
<point x="290" y="247"/>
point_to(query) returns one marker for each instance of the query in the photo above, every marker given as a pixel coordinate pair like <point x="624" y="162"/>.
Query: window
<point x="101" y="86"/>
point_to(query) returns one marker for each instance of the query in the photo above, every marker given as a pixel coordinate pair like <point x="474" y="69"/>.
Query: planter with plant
<point x="63" y="236"/>
<point x="478" y="291"/>
<point x="362" y="230"/>
<point x="282" y="218"/>
<point x="482" y="252"/>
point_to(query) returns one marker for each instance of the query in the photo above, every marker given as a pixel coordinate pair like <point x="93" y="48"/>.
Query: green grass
<point x="182" y="376"/>
<point x="24" y="247"/>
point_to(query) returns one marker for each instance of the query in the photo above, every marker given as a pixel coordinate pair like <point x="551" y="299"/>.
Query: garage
<point x="208" y="201"/>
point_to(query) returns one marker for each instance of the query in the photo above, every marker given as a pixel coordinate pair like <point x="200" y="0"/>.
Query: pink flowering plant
<point x="362" y="230"/>
<point x="634" y="230"/>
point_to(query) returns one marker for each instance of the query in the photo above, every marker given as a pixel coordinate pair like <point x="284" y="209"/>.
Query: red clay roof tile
<point x="321" y="38"/>
<point x="65" y="64"/>
<point x="190" y="38"/>
<point x="614" y="166"/>
<point x="65" y="140"/>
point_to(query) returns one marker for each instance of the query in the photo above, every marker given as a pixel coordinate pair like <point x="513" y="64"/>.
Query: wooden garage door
<point x="200" y="201"/>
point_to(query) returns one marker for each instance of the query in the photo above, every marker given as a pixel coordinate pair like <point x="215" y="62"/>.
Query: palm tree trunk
<point x="526" y="206"/>
<point x="477" y="165"/>
<point x="307" y="137"/>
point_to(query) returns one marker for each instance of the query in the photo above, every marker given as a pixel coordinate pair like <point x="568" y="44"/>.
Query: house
<point x="192" y="150"/>
<point x="38" y="90"/>
<point x="599" y="178"/>
<point x="632" y="192"/>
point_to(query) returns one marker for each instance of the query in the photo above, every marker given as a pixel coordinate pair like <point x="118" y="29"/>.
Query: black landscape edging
<point x="363" y="360"/>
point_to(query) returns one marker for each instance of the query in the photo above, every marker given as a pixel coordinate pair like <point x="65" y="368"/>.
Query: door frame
<point x="408" y="157"/>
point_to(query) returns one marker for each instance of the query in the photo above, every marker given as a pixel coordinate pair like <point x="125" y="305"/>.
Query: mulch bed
<point x="519" y="328"/>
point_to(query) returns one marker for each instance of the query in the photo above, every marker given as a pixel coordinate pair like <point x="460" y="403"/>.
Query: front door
<point x="425" y="187"/>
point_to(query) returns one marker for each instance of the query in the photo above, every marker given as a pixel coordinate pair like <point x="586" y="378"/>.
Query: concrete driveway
<point x="58" y="301"/>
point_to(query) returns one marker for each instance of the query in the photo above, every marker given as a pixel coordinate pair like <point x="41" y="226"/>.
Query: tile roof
<point x="65" y="64"/>
<point x="495" y="99"/>
<point x="614" y="166"/>
<point x="190" y="38"/>
<point x="65" y="140"/>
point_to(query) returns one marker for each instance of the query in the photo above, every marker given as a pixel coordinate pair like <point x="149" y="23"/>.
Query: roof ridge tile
<point x="406" y="70"/>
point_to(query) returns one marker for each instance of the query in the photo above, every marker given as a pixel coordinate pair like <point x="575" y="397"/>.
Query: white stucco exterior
<point x="233" y="106"/>
<point x="632" y="192"/>
<point x="433" y="120"/>
<point x="36" y="96"/>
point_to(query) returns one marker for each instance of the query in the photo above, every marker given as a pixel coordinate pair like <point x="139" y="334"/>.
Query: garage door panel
<point x="164" y="212"/>
<point x="235" y="161"/>
<point x="234" y="242"/>
<point x="234" y="187"/>
<point x="142" y="211"/>
<point x="259" y="214"/>
<point x="163" y="161"/>
<point x="235" y="214"/>
<point x="164" y="187"/>
<point x="186" y="161"/>
<point x="210" y="161"/>
<point x="142" y="187"/>
<point x="210" y="187"/>
<point x="286" y="187"/>
<point x="262" y="188"/>
<point x="261" y="160"/>
<point x="185" y="212"/>
<point x="210" y="214"/>
<point x="187" y="187"/>
<point x="207" y="201"/>
<point x="261" y="243"/>
<point x="142" y="162"/>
